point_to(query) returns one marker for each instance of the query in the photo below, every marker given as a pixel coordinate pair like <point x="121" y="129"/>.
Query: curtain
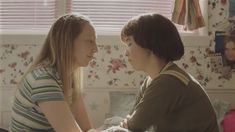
<point x="188" y="13"/>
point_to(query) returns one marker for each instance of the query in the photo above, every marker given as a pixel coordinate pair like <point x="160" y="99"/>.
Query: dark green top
<point x="173" y="102"/>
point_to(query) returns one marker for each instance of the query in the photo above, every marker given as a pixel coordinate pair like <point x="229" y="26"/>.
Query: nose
<point x="95" y="49"/>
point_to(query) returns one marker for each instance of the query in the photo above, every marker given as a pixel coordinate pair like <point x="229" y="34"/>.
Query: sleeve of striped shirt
<point x="45" y="88"/>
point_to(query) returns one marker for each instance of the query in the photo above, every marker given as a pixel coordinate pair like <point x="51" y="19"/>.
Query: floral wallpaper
<point x="110" y="69"/>
<point x="14" y="61"/>
<point x="218" y="21"/>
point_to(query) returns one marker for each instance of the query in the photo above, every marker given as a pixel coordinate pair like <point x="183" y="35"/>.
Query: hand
<point x="124" y="122"/>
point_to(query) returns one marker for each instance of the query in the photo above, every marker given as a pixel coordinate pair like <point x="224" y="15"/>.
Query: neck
<point x="155" y="66"/>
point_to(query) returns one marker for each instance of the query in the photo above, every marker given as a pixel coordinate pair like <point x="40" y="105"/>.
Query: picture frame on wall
<point x="225" y="49"/>
<point x="232" y="10"/>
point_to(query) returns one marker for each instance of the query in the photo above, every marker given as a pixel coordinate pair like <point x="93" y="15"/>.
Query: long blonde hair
<point x="58" y="48"/>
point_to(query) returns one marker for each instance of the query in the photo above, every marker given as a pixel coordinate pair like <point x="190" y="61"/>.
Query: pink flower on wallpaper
<point x="200" y="77"/>
<point x="129" y="72"/>
<point x="2" y="70"/>
<point x="108" y="49"/>
<point x="12" y="65"/>
<point x="93" y="75"/>
<point x="113" y="82"/>
<point x="26" y="63"/>
<point x="13" y="81"/>
<point x="116" y="65"/>
<point x="194" y="60"/>
<point x="185" y="65"/>
<point x="24" y="55"/>
<point x="93" y="64"/>
<point x="209" y="51"/>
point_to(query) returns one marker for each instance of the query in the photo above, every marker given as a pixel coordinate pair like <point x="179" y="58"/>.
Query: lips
<point x="90" y="56"/>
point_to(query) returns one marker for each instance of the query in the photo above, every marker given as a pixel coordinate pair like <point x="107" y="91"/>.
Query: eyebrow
<point x="89" y="36"/>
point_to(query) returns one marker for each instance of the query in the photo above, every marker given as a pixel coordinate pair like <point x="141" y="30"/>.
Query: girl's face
<point x="85" y="46"/>
<point x="137" y="56"/>
<point x="230" y="51"/>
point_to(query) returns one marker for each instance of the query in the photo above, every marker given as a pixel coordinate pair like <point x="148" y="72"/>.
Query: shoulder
<point x="170" y="80"/>
<point x="42" y="75"/>
<point x="44" y="71"/>
<point x="165" y="87"/>
<point x="166" y="81"/>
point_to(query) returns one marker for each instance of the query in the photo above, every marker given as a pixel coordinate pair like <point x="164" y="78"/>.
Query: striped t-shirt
<point x="41" y="84"/>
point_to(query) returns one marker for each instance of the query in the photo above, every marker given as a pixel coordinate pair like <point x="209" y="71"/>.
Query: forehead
<point x="88" y="31"/>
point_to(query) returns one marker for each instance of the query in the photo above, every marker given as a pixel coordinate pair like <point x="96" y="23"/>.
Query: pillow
<point x="121" y="103"/>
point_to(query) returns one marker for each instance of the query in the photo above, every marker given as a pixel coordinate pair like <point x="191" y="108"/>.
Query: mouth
<point x="90" y="56"/>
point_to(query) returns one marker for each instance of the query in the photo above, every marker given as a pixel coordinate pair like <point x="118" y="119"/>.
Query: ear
<point x="149" y="52"/>
<point x="152" y="55"/>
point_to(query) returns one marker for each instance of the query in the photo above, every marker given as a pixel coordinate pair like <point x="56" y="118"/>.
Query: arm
<point x="46" y="91"/>
<point x="59" y="116"/>
<point x="80" y="113"/>
<point x="137" y="101"/>
<point x="139" y="95"/>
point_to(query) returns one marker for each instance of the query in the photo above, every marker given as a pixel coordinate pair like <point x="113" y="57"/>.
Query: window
<point x="26" y="15"/>
<point x="110" y="15"/>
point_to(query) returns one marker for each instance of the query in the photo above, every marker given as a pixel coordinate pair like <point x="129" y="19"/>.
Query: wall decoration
<point x="225" y="45"/>
<point x="223" y="59"/>
<point x="232" y="9"/>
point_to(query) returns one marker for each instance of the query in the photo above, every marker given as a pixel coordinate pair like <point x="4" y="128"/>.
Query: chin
<point x="84" y="64"/>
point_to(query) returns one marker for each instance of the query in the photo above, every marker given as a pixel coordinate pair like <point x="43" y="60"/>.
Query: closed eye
<point x="90" y="41"/>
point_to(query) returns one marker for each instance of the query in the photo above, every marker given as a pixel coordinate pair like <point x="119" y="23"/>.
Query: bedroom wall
<point x="109" y="78"/>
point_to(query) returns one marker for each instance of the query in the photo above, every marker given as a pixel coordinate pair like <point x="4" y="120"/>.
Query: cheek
<point x="77" y="50"/>
<point x="134" y="53"/>
<point x="77" y="53"/>
<point x="141" y="54"/>
<point x="233" y="54"/>
<point x="131" y="53"/>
